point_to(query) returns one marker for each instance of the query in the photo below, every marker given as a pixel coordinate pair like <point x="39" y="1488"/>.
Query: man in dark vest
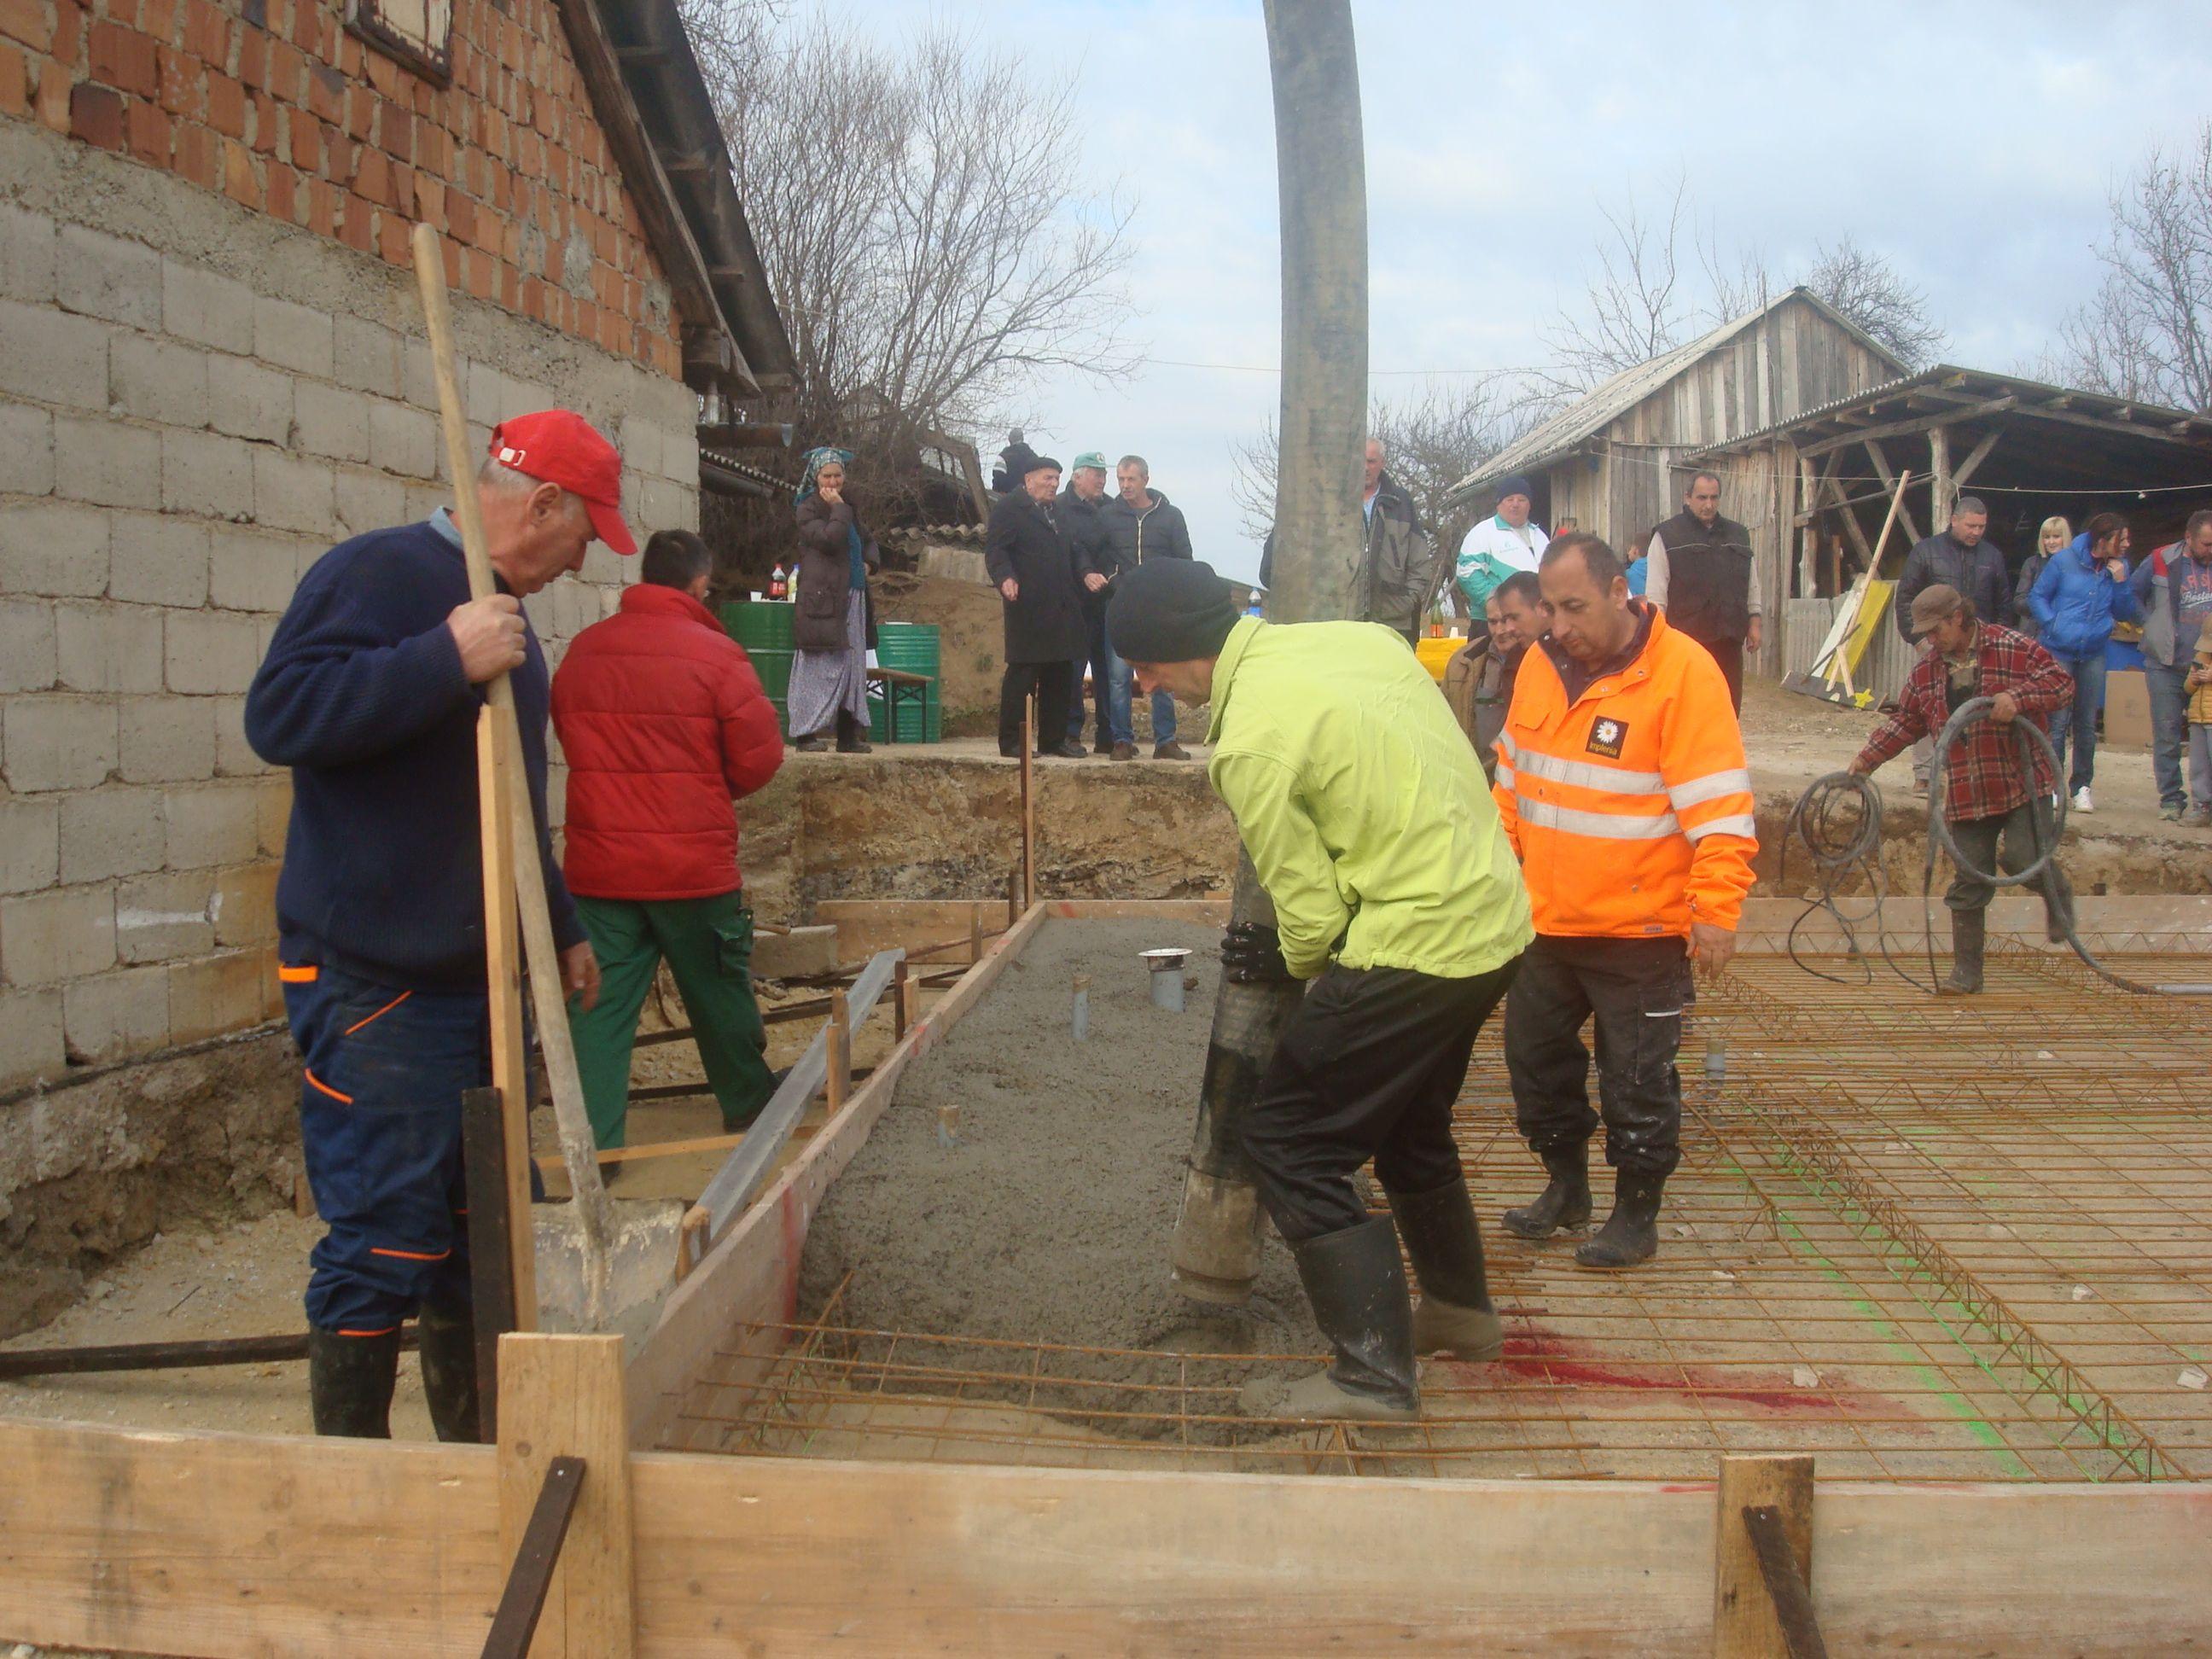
<point x="1702" y="574"/>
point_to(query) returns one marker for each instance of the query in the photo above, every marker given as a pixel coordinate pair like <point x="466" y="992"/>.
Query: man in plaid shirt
<point x="1996" y="808"/>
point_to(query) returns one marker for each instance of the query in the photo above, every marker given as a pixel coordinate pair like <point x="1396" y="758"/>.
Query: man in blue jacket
<point x="2173" y="590"/>
<point x="370" y="694"/>
<point x="2081" y="592"/>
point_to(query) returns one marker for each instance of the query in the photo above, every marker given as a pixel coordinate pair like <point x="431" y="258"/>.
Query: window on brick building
<point x="418" y="33"/>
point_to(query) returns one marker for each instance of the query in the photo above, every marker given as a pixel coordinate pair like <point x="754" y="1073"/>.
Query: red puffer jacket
<point x="663" y="721"/>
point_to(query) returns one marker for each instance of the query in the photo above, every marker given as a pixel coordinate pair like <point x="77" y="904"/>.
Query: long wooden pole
<point x="504" y="768"/>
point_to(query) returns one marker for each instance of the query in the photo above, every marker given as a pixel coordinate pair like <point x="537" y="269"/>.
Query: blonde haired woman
<point x="2055" y="534"/>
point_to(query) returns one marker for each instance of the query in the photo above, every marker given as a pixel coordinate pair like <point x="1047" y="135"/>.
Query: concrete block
<point x="294" y="337"/>
<point x="64" y="934"/>
<point x="108" y="647"/>
<point x="639" y="440"/>
<point x="56" y="742"/>
<point x="207" y="475"/>
<point x="201" y="306"/>
<point x="27" y="450"/>
<point x="213" y="823"/>
<point x="485" y="397"/>
<point x="418" y="380"/>
<point x="104" y="276"/>
<point x="30" y="1037"/>
<point x="53" y="357"/>
<point x="234" y="755"/>
<point x="365" y="502"/>
<point x="540" y="610"/>
<point x="247" y="400"/>
<point x="162" y="917"/>
<point x="423" y="500"/>
<point x="157" y="380"/>
<point x="801" y="951"/>
<point x="273" y="812"/>
<point x="603" y="565"/>
<point x="27" y="645"/>
<point x="244" y="904"/>
<point x="291" y="493"/>
<point x="156" y="558"/>
<point x="113" y="1016"/>
<point x="220" y="993"/>
<point x="329" y="419"/>
<point x="107" y="463"/>
<point x="55" y="547"/>
<point x="209" y="651"/>
<point x="165" y="739"/>
<point x="248" y="571"/>
<point x="27" y="256"/>
<point x="30" y="845"/>
<point x="403" y="440"/>
<point x="367" y="356"/>
<point x="109" y="832"/>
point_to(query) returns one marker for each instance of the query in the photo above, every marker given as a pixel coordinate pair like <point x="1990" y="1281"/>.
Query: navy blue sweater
<point x="362" y="696"/>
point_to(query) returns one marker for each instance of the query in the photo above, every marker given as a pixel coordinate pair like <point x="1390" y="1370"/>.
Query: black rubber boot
<point x="1966" y="930"/>
<point x="852" y="735"/>
<point x="1564" y="1203"/>
<point x="1454" y="1314"/>
<point x="349" y="1382"/>
<point x="1357" y="1285"/>
<point x="447" y="1335"/>
<point x="1630" y="1233"/>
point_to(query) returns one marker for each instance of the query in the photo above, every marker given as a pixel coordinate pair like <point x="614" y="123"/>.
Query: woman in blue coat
<point x="2081" y="592"/>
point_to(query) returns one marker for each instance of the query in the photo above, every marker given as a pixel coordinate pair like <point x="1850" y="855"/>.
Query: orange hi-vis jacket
<point x="1631" y="807"/>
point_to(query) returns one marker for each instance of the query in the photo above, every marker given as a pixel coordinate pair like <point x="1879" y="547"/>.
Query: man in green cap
<point x="1397" y="894"/>
<point x="1083" y="521"/>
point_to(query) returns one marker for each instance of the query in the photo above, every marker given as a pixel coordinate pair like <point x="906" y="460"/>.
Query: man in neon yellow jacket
<point x="1397" y="895"/>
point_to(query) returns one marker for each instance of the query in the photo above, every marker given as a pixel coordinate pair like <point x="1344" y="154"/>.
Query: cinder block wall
<point x="196" y="401"/>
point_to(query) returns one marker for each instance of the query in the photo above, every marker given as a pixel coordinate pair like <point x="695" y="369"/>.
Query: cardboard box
<point x="2127" y="709"/>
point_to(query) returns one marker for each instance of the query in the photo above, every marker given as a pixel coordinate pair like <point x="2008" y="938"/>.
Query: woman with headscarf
<point x="833" y="628"/>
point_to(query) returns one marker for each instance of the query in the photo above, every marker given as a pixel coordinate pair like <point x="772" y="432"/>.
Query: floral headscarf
<point x="814" y="461"/>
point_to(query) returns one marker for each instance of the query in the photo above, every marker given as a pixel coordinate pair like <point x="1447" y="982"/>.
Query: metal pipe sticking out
<point x="948" y="1127"/>
<point x="1167" y="977"/>
<point x="1080" y="1018"/>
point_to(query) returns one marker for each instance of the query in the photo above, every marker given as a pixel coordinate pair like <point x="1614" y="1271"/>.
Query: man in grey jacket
<point x="2173" y="587"/>
<point x="1397" y="566"/>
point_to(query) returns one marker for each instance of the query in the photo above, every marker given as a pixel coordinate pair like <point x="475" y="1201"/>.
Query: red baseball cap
<point x="560" y="446"/>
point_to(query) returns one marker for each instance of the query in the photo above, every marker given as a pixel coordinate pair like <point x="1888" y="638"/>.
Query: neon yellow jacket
<point x="1361" y="804"/>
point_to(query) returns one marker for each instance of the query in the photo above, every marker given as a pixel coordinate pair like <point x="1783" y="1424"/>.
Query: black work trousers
<point x="2006" y="841"/>
<point x="1728" y="655"/>
<point x="1370" y="1068"/>
<point x="1050" y="681"/>
<point x="1637" y="988"/>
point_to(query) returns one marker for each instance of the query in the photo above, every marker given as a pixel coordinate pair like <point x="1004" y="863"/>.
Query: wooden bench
<point x="901" y="686"/>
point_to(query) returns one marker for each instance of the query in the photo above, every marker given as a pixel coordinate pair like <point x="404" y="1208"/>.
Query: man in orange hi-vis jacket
<point x="1622" y="785"/>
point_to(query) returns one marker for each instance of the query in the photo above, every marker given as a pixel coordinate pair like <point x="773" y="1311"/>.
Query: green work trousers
<point x="708" y="942"/>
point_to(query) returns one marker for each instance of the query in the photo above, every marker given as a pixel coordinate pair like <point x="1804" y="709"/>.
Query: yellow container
<point x="1435" y="653"/>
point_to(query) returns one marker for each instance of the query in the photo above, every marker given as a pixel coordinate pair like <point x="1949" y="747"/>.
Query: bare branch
<point x="2147" y="333"/>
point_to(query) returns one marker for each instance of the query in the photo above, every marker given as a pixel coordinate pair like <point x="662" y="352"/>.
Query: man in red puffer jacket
<point x="662" y="722"/>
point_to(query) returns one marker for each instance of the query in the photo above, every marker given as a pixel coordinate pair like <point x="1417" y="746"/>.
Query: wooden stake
<point x="510" y="1064"/>
<point x="491" y="1269"/>
<point x="562" y="1396"/>
<point x="1029" y="801"/>
<point x="838" y="1087"/>
<point x="1746" y="1625"/>
<point x="899" y="1002"/>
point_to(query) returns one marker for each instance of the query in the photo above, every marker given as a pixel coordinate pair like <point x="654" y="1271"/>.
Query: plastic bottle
<point x="775" y="584"/>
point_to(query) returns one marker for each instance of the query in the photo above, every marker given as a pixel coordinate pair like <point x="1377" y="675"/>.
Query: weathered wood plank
<point x="562" y="1396"/>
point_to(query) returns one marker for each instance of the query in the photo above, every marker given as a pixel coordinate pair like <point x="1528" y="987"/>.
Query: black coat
<point x="1978" y="572"/>
<point x="1090" y="542"/>
<point x="825" y="574"/>
<point x="1045" y="624"/>
<point x="1158" y="532"/>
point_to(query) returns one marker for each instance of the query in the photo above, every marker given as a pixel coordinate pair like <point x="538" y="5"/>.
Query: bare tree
<point x="1867" y="288"/>
<point x="927" y="233"/>
<point x="2147" y="331"/>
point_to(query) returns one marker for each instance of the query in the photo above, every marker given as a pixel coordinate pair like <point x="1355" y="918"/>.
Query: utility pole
<point x="1321" y="172"/>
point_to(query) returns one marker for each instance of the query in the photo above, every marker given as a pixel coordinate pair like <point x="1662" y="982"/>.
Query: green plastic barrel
<point x="764" y="627"/>
<point x="912" y="647"/>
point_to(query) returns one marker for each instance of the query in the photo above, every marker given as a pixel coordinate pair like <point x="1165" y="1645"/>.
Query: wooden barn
<point x="1616" y="461"/>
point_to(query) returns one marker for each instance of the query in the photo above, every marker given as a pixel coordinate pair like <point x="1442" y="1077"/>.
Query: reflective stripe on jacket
<point x="1631" y="807"/>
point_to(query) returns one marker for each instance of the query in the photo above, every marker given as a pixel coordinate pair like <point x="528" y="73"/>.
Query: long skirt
<point x="824" y="683"/>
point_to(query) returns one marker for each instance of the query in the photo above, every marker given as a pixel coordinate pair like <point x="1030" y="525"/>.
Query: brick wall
<point x="273" y="105"/>
<point x="196" y="401"/>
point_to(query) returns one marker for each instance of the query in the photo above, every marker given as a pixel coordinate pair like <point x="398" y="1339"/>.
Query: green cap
<point x="1092" y="458"/>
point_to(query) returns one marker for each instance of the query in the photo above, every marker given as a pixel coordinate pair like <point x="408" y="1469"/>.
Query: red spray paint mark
<point x="1543" y="1357"/>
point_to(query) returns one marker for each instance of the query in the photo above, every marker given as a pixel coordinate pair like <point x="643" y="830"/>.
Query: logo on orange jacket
<point x="1608" y="737"/>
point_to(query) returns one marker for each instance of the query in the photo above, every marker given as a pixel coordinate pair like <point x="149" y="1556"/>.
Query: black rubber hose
<point x="1838" y="840"/>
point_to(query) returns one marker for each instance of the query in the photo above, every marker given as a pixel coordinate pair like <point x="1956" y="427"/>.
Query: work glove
<point x="1252" y="954"/>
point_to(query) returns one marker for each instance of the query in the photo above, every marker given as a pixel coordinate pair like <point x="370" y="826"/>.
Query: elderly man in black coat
<point x="1028" y="555"/>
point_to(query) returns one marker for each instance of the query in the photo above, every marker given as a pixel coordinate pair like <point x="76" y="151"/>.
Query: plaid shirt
<point x="1984" y="767"/>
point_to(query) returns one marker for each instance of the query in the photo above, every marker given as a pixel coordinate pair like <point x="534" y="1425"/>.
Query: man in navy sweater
<point x="370" y="693"/>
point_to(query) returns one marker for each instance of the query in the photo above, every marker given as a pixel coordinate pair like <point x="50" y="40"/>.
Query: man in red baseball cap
<point x="370" y="692"/>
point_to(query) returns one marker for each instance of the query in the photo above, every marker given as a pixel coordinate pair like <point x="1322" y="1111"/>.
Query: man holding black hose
<point x="1998" y="785"/>
<point x="1396" y="894"/>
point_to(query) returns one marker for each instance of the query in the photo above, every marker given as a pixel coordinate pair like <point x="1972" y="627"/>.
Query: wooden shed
<point x="1615" y="462"/>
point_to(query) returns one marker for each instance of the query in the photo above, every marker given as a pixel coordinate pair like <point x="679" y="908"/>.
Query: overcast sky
<point x="1972" y="144"/>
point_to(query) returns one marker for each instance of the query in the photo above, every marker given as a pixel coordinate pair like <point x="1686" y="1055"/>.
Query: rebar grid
<point x="1926" y="1240"/>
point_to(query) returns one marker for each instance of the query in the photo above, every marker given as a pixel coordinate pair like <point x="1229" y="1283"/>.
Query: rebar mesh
<point x="1924" y="1240"/>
